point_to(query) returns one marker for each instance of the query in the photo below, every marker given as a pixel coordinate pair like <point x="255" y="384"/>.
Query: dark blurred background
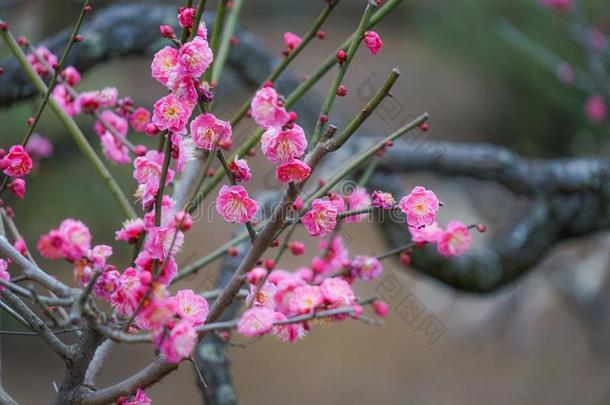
<point x="525" y="344"/>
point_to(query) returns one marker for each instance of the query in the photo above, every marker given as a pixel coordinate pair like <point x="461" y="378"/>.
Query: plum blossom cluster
<point x="114" y="116"/>
<point x="280" y="302"/>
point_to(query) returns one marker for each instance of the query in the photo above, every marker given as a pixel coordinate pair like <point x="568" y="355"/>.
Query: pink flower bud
<point x="167" y="32"/>
<point x="297" y="248"/>
<point x="151" y="129"/>
<point x="17" y="187"/>
<point x="381" y="308"/>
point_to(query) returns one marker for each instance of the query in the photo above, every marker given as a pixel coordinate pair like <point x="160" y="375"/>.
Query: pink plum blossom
<point x="292" y="332"/>
<point x="267" y="110"/>
<point x="358" y="199"/>
<point x="337" y="292"/>
<point x="427" y="234"/>
<point x="115" y="150"/>
<point x="194" y="57"/>
<point x="366" y="268"/>
<point x="373" y="41"/>
<point x="321" y="219"/>
<point x="293" y="170"/>
<point x="164" y="65"/>
<point x="148" y="167"/>
<point x="179" y="343"/>
<point x="71" y="76"/>
<point x="283" y="145"/>
<point x="170" y="113"/>
<point x="65" y="100"/>
<point x="240" y="169"/>
<point x="305" y="299"/>
<point x="17" y="162"/>
<point x="235" y="206"/>
<point x="107" y="284"/>
<point x="255" y="275"/>
<point x="77" y="238"/>
<point x="264" y="297"/>
<point x="255" y="322"/>
<point x="596" y="109"/>
<point x="382" y="200"/>
<point x="186" y="16"/>
<point x="455" y="239"/>
<point x="139" y="119"/>
<point x="291" y="40"/>
<point x="191" y="307"/>
<point x="133" y="286"/>
<point x="208" y="131"/>
<point x="183" y="150"/>
<point x="17" y="187"/>
<point x="420" y="206"/>
<point x="4" y="274"/>
<point x="163" y="242"/>
<point x="337" y="200"/>
<point x="43" y="53"/>
<point x="51" y="245"/>
<point x="39" y="147"/>
<point x="140" y="398"/>
<point x="131" y="231"/>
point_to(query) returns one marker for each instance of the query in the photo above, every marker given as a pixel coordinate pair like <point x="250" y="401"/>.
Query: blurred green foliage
<point x="540" y="116"/>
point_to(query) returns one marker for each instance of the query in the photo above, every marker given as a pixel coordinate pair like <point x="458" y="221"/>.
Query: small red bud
<point x="267" y="84"/>
<point x="405" y="258"/>
<point x="321" y="182"/>
<point x="321" y="34"/>
<point x="481" y="228"/>
<point x="381" y="308"/>
<point x="269" y="264"/>
<point x="233" y="251"/>
<point x="342" y="91"/>
<point x="224" y="335"/>
<point x="389" y="144"/>
<point x="151" y="129"/>
<point x="341" y="57"/>
<point x="296" y="248"/>
<point x="167" y="32"/>
<point x="30" y="121"/>
<point x="79" y="38"/>
<point x="87" y="9"/>
<point x="22" y="41"/>
<point x="423" y="127"/>
<point x="323" y="118"/>
<point x="139" y="150"/>
<point x="259" y="262"/>
<point x="211" y="172"/>
<point x="3" y="25"/>
<point x="297" y="205"/>
<point x="1" y="70"/>
<point x="252" y="152"/>
<point x="234" y="40"/>
<point x="184" y="221"/>
<point x="275" y="243"/>
<point x="293" y="116"/>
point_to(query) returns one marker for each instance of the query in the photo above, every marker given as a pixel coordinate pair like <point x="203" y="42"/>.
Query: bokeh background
<point x="529" y="343"/>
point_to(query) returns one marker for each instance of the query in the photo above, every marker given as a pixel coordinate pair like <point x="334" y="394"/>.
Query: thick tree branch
<point x="570" y="197"/>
